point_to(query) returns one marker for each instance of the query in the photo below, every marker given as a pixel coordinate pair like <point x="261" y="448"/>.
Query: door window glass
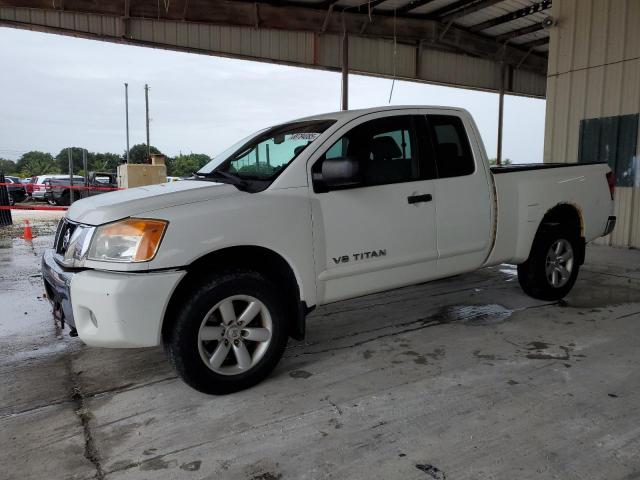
<point x="453" y="154"/>
<point x="339" y="149"/>
<point x="385" y="148"/>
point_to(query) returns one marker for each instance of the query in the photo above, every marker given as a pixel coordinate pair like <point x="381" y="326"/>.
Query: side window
<point x="338" y="149"/>
<point x="385" y="147"/>
<point x="451" y="145"/>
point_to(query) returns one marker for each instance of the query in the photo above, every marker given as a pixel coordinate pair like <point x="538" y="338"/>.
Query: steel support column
<point x="345" y="71"/>
<point x="146" y="103"/>
<point x="126" y="114"/>
<point x="500" y="114"/>
<point x="71" y="192"/>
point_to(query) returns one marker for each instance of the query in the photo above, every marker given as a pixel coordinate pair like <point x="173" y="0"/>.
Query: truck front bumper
<point x="111" y="309"/>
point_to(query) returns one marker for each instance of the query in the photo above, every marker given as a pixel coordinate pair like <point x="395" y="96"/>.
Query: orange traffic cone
<point x="28" y="234"/>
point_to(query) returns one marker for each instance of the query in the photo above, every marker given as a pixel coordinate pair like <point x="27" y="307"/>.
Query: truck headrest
<point x="385" y="148"/>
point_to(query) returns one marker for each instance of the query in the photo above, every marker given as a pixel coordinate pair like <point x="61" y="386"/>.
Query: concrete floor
<point x="465" y="378"/>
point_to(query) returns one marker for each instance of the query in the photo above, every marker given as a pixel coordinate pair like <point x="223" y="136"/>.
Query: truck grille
<point x="63" y="235"/>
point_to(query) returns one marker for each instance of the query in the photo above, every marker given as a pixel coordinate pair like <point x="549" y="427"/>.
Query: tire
<point x="553" y="264"/>
<point x="191" y="340"/>
<point x="12" y="201"/>
<point x="64" y="200"/>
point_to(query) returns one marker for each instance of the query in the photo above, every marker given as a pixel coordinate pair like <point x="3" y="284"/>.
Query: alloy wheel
<point x="235" y="334"/>
<point x="559" y="263"/>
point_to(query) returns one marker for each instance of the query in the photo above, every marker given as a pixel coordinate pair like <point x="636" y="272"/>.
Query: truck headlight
<point x="130" y="240"/>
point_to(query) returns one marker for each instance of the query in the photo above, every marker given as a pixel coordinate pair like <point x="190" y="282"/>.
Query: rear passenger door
<point x="381" y="233"/>
<point x="462" y="195"/>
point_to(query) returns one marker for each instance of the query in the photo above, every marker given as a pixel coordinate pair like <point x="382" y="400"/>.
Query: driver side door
<point x="380" y="233"/>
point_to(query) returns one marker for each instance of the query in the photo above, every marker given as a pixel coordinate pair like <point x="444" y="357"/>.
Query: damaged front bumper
<point x="57" y="284"/>
<point x="110" y="309"/>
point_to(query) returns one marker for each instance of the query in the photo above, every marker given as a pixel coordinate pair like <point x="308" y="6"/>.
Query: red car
<point x="28" y="185"/>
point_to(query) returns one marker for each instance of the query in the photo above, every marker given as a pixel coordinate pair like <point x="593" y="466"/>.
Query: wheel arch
<point x="567" y="215"/>
<point x="264" y="260"/>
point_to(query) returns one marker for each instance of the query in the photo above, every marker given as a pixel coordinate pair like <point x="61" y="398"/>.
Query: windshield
<point x="263" y="155"/>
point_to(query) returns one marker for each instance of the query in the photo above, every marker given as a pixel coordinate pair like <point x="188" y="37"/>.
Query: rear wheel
<point x="12" y="201"/>
<point x="552" y="267"/>
<point x="229" y="334"/>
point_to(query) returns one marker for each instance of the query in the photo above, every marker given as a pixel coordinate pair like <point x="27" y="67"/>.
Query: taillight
<point x="611" y="180"/>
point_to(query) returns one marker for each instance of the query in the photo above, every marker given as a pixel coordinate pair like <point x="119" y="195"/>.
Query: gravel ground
<point x="43" y="222"/>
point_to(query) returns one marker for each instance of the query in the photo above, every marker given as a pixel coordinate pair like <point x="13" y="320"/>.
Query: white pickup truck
<point x="224" y="268"/>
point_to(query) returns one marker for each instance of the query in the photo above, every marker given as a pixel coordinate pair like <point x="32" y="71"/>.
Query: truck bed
<point x="523" y="198"/>
<point x="523" y="167"/>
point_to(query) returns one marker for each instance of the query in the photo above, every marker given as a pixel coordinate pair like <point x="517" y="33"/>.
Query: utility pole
<point x="126" y="109"/>
<point x="84" y="167"/>
<point x="146" y="100"/>
<point x="70" y="157"/>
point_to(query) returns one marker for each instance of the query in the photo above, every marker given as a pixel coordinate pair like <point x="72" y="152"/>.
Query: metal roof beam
<point x="294" y="18"/>
<point x="511" y="16"/>
<point x="462" y="8"/>
<point x="325" y="3"/>
<point x="506" y="37"/>
<point x="362" y="6"/>
<point x="412" y="5"/>
<point x="452" y="7"/>
<point x="538" y="42"/>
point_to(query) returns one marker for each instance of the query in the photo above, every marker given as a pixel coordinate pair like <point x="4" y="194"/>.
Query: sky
<point x="58" y="91"/>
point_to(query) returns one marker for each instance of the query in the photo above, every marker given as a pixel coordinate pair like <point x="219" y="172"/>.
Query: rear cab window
<point x="451" y="147"/>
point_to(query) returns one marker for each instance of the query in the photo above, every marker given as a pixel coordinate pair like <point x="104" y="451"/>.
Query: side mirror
<point x="340" y="172"/>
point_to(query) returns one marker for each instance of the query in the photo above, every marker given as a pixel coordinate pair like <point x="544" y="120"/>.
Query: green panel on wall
<point x="627" y="148"/>
<point x="589" y="146"/>
<point x="613" y="140"/>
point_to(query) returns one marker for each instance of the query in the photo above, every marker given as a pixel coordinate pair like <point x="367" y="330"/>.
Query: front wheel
<point x="229" y="333"/>
<point x="552" y="267"/>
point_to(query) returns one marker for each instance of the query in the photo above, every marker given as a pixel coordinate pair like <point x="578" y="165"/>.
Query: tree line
<point x="39" y="163"/>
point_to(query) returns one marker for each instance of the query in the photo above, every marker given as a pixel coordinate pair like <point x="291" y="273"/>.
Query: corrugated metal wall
<point x="367" y="55"/>
<point x="594" y="72"/>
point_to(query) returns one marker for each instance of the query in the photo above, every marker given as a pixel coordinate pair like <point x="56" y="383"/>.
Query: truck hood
<point x="108" y="207"/>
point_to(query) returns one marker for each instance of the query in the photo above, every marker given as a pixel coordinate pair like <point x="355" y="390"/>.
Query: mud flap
<point x="298" y="326"/>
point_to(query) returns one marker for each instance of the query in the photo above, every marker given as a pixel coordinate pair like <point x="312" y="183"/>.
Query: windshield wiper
<point x="226" y="177"/>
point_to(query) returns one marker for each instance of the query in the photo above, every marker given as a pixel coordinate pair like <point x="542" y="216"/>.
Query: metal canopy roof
<point x="482" y="44"/>
<point x="492" y="18"/>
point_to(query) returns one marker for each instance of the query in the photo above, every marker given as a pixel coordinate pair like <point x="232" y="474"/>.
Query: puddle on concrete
<point x="475" y="315"/>
<point x="510" y="270"/>
<point x="537" y="345"/>
<point x="539" y="350"/>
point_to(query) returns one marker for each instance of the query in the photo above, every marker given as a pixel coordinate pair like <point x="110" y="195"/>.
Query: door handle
<point x="413" y="199"/>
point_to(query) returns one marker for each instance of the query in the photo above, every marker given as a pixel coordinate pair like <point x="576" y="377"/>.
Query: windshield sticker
<point x="311" y="136"/>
